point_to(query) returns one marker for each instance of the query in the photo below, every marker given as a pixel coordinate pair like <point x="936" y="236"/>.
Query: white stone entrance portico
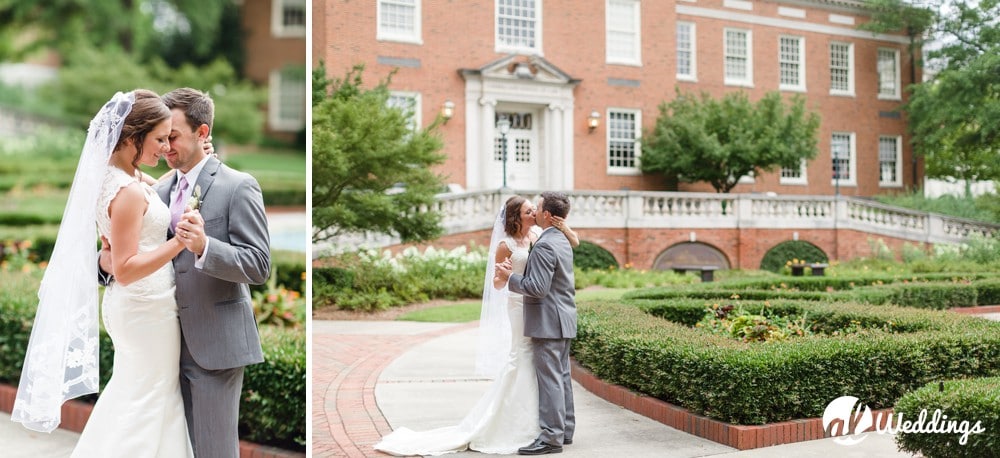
<point x="539" y="98"/>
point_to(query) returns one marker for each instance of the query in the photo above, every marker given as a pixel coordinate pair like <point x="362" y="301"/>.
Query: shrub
<point x="273" y="405"/>
<point x="976" y="401"/>
<point x="591" y="256"/>
<point x="370" y="281"/>
<point x="755" y="383"/>
<point x="775" y="258"/>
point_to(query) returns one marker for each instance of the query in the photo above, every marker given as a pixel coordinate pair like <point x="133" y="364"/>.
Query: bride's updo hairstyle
<point x="147" y="111"/>
<point x="512" y="215"/>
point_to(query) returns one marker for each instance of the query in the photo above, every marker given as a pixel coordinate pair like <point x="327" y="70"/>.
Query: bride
<point x="140" y="412"/>
<point x="506" y="417"/>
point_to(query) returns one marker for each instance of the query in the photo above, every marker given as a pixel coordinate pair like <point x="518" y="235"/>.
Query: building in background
<point x="275" y="58"/>
<point x="579" y="80"/>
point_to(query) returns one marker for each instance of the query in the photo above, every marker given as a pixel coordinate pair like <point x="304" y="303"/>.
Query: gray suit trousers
<point x="556" y="414"/>
<point x="212" y="406"/>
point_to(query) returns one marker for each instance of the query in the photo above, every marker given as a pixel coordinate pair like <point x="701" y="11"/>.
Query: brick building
<point x="276" y="55"/>
<point x="579" y="80"/>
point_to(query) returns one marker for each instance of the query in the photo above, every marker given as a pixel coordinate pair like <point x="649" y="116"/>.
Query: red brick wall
<point x="744" y="248"/>
<point x="460" y="35"/>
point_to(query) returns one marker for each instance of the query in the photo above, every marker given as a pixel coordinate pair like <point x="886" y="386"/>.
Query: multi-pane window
<point x="794" y="175"/>
<point x="842" y="154"/>
<point x="622" y="27"/>
<point x="287" y="99"/>
<point x="288" y="18"/>
<point x="519" y="26"/>
<point x="623" y="148"/>
<point x="686" y="68"/>
<point x="409" y="104"/>
<point x="399" y="20"/>
<point x="738" y="57"/>
<point x="841" y="68"/>
<point x="888" y="73"/>
<point x="791" y="63"/>
<point x="889" y="161"/>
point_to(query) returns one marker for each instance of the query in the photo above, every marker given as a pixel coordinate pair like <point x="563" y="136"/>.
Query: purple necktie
<point x="177" y="207"/>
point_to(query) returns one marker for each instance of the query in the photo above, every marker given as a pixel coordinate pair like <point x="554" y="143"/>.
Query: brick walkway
<point x="345" y="366"/>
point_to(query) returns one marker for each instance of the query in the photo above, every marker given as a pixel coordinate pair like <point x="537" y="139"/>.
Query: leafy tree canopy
<point x="953" y="117"/>
<point x="177" y="31"/>
<point x="700" y="138"/>
<point x="371" y="170"/>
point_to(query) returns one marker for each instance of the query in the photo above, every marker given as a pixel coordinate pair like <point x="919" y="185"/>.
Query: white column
<point x="552" y="162"/>
<point x="484" y="155"/>
<point x="567" y="147"/>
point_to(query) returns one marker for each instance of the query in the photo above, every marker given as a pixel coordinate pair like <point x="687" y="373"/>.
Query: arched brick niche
<point x="691" y="254"/>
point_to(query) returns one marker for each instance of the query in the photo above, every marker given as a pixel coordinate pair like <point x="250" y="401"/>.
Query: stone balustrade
<point x="474" y="211"/>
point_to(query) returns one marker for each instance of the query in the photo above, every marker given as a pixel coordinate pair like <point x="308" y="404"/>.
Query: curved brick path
<point x="347" y="358"/>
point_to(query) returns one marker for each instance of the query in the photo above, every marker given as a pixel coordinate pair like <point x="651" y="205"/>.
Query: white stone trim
<point x="803" y="26"/>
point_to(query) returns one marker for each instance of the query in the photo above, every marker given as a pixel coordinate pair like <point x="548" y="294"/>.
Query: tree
<point x="957" y="121"/>
<point x="720" y="141"/>
<point x="953" y="118"/>
<point x="180" y="31"/>
<point x="371" y="170"/>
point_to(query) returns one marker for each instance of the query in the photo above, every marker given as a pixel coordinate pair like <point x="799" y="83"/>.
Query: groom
<point x="550" y="321"/>
<point x="228" y="248"/>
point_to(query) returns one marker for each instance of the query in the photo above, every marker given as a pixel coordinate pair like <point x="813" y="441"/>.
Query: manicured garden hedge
<point x="932" y="291"/>
<point x="274" y="393"/>
<point x="755" y="383"/>
<point x="974" y="400"/>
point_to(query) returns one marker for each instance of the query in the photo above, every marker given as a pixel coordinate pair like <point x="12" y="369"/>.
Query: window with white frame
<point x="622" y="28"/>
<point x="519" y="26"/>
<point x="286" y="108"/>
<point x="409" y="104"/>
<point x="623" y="146"/>
<point x="890" y="161"/>
<point x="288" y="18"/>
<point x="738" y="57"/>
<point x="686" y="62"/>
<point x="794" y="175"/>
<point x="888" y="73"/>
<point x="791" y="63"/>
<point x="399" y="20"/>
<point x="843" y="156"/>
<point x="841" y="68"/>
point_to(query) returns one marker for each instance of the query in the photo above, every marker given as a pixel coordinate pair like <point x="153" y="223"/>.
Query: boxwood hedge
<point x="756" y="383"/>
<point x="973" y="400"/>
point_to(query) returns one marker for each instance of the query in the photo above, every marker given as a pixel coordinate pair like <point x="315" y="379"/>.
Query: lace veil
<point x="494" y="324"/>
<point x="62" y="358"/>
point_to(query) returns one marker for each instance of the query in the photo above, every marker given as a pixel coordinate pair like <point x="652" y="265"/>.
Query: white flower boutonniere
<point x="195" y="200"/>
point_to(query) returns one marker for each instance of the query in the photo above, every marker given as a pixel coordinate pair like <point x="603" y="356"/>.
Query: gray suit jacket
<point x="548" y="288"/>
<point x="214" y="303"/>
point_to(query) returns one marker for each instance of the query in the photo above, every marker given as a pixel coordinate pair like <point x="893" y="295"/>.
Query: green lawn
<point x="469" y="311"/>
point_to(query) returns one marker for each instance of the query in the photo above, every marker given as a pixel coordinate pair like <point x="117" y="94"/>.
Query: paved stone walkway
<point x="345" y="366"/>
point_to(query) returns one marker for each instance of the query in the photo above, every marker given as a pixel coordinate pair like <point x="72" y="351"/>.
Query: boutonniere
<point x="530" y="246"/>
<point x="195" y="200"/>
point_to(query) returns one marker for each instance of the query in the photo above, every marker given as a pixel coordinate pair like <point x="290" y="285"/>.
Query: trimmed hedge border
<point x="973" y="400"/>
<point x="752" y="384"/>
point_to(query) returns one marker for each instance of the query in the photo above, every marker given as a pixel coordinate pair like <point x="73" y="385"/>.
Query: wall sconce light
<point x="593" y="120"/>
<point x="448" y="110"/>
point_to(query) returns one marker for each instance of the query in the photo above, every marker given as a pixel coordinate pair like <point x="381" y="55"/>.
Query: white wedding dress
<point x="140" y="413"/>
<point x="505" y="418"/>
